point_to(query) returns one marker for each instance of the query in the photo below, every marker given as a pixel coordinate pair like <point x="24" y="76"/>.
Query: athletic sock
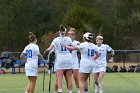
<point x="59" y="90"/>
<point x="101" y="91"/>
<point x="26" y="92"/>
<point x="96" y="88"/>
<point x="54" y="91"/>
<point x="69" y="91"/>
<point x="78" y="91"/>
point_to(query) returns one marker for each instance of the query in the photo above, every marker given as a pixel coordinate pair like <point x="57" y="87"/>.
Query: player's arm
<point x="23" y="55"/>
<point x="50" y="48"/>
<point x="69" y="47"/>
<point x="39" y="55"/>
<point x="96" y="55"/>
<point x="112" y="52"/>
<point x="46" y="52"/>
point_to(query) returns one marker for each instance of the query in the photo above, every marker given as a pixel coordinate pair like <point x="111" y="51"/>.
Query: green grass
<point x="113" y="83"/>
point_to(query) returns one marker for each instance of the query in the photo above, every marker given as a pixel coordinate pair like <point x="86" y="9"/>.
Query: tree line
<point x="117" y="20"/>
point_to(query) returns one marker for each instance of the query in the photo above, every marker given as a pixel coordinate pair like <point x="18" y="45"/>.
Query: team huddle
<point x="92" y="60"/>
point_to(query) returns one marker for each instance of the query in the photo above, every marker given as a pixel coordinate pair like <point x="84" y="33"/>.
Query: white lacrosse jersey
<point x="74" y="52"/>
<point x="87" y="51"/>
<point x="31" y="51"/>
<point x="103" y="49"/>
<point x="63" y="56"/>
<point x="58" y="46"/>
<point x="74" y="55"/>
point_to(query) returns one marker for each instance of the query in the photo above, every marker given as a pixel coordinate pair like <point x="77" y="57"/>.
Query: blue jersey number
<point x="29" y="53"/>
<point x="90" y="52"/>
<point x="63" y="48"/>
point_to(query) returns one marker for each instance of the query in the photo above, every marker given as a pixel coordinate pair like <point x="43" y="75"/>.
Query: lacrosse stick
<point x="51" y="59"/>
<point x="44" y="77"/>
<point x="89" y="79"/>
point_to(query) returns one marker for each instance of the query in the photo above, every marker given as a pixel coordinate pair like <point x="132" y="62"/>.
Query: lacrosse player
<point x="89" y="54"/>
<point x="31" y="51"/>
<point x="63" y="61"/>
<point x="100" y="66"/>
<point x="71" y="34"/>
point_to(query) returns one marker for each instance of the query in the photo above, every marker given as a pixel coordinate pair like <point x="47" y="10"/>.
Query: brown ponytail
<point x="62" y="28"/>
<point x="31" y="37"/>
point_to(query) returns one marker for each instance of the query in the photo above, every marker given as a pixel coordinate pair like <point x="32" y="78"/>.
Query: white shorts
<point x="86" y="68"/>
<point x="30" y="71"/>
<point x="75" y="63"/>
<point x="63" y="62"/>
<point x="99" y="68"/>
<point x="54" y="68"/>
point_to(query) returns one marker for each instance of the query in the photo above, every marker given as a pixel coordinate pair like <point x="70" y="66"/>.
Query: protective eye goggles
<point x="71" y="34"/>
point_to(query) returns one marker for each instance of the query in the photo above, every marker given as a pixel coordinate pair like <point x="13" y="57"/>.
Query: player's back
<point x="57" y="42"/>
<point x="63" y="56"/>
<point x="32" y="57"/>
<point x="87" y="50"/>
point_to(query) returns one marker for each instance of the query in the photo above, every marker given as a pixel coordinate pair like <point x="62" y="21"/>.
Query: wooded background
<point x="117" y="20"/>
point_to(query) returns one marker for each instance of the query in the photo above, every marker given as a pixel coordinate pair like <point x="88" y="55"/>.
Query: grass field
<point x="113" y="83"/>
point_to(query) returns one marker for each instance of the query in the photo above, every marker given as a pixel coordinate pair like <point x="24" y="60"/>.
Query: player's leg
<point x="69" y="80"/>
<point x="59" y="75"/>
<point x="66" y="78"/>
<point x="32" y="83"/>
<point x="101" y="75"/>
<point x="95" y="78"/>
<point x="75" y="76"/>
<point x="55" y="85"/>
<point x="86" y="86"/>
<point x="82" y="78"/>
<point x="27" y="72"/>
<point x="28" y="87"/>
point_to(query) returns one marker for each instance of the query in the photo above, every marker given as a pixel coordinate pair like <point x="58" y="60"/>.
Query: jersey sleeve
<point x="96" y="49"/>
<point x="36" y="49"/>
<point x="70" y="41"/>
<point x="53" y="42"/>
<point x="24" y="51"/>
<point x="78" y="43"/>
<point x="81" y="46"/>
<point x="108" y="48"/>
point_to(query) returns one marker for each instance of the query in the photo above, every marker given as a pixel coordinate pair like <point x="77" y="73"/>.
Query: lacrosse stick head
<point x="51" y="59"/>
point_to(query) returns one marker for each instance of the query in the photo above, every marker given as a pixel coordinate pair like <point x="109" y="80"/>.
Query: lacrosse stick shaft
<point x="43" y="78"/>
<point x="89" y="79"/>
<point x="50" y="81"/>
